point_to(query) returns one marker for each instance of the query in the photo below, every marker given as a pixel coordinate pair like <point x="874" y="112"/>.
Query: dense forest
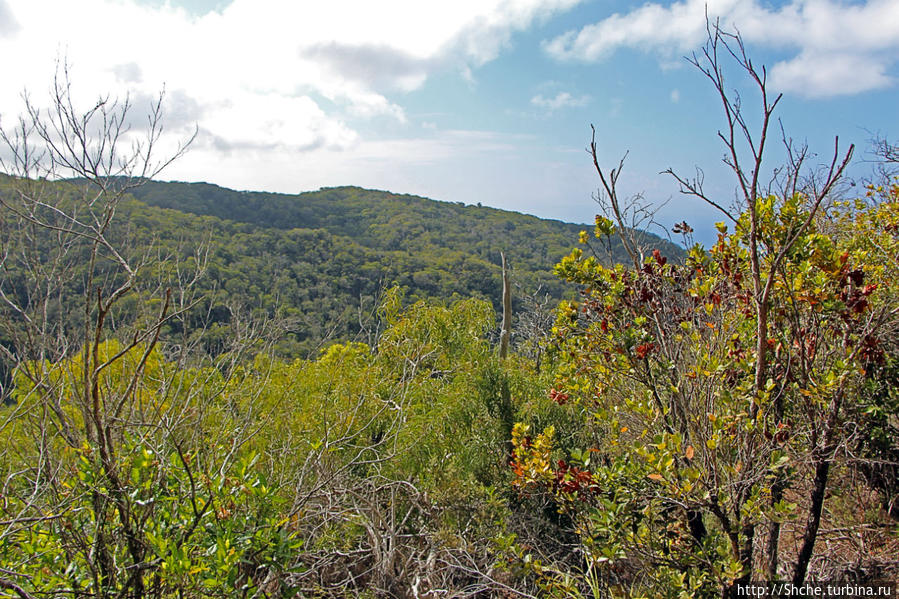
<point x="319" y="257"/>
<point x="320" y="261"/>
<point x="211" y="393"/>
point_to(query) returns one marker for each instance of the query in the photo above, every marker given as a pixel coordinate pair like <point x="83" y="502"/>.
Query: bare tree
<point x="506" y="332"/>
<point x="136" y="442"/>
<point x="767" y="255"/>
<point x="749" y="174"/>
<point x="633" y="215"/>
<point x="84" y="308"/>
<point x="885" y="159"/>
<point x="534" y="324"/>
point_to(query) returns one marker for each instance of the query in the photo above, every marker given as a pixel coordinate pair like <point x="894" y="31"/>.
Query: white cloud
<point x="8" y="24"/>
<point x="128" y="72"/>
<point x="435" y="158"/>
<point x="819" y="74"/>
<point x="675" y="96"/>
<point x="257" y="72"/>
<point x="841" y="48"/>
<point x="652" y="26"/>
<point x="273" y="121"/>
<point x="560" y="100"/>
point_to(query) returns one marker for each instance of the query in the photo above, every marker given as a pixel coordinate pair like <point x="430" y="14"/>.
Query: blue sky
<point x="480" y="101"/>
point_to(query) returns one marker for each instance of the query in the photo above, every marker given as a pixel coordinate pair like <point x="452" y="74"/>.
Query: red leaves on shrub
<point x="559" y="397"/>
<point x="644" y="349"/>
<point x="572" y="480"/>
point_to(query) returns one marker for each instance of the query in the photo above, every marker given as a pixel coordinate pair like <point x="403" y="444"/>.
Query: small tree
<point x="118" y="451"/>
<point x="722" y="387"/>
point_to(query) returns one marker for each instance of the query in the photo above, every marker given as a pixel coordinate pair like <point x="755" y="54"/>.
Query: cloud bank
<point x="560" y="100"/>
<point x="257" y="74"/>
<point x="835" y="48"/>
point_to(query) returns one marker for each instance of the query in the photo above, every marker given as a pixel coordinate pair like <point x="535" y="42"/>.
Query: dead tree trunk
<point x="506" y="333"/>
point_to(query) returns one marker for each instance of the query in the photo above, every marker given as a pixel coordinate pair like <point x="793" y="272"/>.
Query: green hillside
<point x="317" y="257"/>
<point x="318" y="262"/>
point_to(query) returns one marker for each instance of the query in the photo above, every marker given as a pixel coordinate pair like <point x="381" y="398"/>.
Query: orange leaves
<point x="659" y="258"/>
<point x="644" y="349"/>
<point x="534" y="469"/>
<point x="573" y="480"/>
<point x="531" y="458"/>
<point x="559" y="397"/>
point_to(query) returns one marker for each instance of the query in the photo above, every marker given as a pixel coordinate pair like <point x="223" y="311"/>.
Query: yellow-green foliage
<point x="228" y="473"/>
<point x="693" y="460"/>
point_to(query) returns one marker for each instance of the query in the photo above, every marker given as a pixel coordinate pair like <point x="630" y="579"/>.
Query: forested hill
<point x="317" y="256"/>
<point x="381" y="221"/>
<point x="384" y="221"/>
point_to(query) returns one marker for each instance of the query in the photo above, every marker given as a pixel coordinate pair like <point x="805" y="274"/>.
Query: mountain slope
<point x="317" y="256"/>
<point x="320" y="259"/>
<point x="377" y="219"/>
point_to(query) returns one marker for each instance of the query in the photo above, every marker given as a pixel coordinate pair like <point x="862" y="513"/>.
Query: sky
<point x="470" y="101"/>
